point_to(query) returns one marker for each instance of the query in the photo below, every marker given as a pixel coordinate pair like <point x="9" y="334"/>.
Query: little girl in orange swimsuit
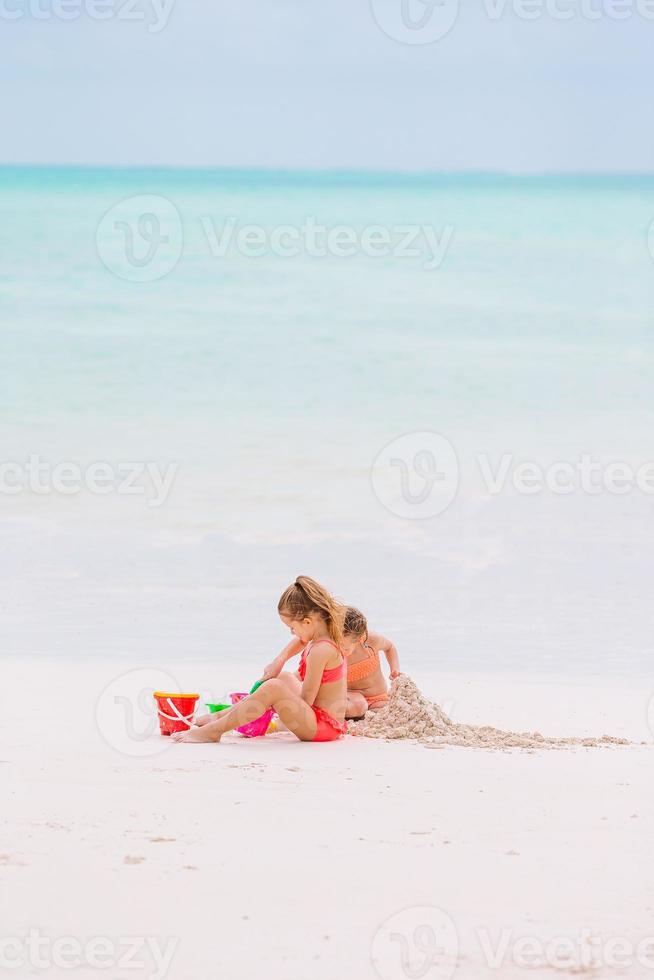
<point x="365" y="680"/>
<point x="314" y="712"/>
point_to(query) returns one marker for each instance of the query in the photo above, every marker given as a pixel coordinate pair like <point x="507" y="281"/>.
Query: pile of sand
<point x="410" y="715"/>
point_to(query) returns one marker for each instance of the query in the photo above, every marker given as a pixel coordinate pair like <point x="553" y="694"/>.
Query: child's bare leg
<point x="275" y="693"/>
<point x="205" y="719"/>
<point x="356" y="705"/>
<point x="295" y="685"/>
<point x="296" y="716"/>
<point x="292" y="681"/>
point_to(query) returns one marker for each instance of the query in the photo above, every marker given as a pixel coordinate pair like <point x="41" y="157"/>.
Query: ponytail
<point x="308" y="596"/>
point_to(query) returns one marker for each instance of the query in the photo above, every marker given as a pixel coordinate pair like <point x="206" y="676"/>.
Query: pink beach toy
<point x="257" y="727"/>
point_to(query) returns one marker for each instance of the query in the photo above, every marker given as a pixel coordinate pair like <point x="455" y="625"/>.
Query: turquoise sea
<point x="273" y="381"/>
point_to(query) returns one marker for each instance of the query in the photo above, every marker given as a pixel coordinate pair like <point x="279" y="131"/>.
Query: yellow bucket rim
<point x="167" y="694"/>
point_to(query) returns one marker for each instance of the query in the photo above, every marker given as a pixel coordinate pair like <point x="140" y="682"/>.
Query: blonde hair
<point x="355" y="623"/>
<point x="307" y="596"/>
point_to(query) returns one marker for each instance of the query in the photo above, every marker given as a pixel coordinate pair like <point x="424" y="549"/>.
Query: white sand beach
<point x="364" y="293"/>
<point x="266" y="856"/>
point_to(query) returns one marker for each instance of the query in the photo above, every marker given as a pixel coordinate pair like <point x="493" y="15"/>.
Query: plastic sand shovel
<point x="175" y="711"/>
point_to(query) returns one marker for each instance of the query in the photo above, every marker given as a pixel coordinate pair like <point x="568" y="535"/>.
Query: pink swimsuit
<point x="328" y="728"/>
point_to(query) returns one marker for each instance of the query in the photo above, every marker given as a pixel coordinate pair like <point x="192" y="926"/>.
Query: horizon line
<point x="323" y="171"/>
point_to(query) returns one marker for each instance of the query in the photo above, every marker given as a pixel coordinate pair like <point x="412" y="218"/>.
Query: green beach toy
<point x="215" y="708"/>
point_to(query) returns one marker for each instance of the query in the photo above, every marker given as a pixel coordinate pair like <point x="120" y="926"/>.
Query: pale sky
<point x="318" y="84"/>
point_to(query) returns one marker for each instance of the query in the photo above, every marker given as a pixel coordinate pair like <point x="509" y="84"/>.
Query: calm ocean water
<point x="273" y="381"/>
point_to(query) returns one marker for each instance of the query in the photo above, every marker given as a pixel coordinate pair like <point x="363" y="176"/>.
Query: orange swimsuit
<point x="363" y="669"/>
<point x="328" y="728"/>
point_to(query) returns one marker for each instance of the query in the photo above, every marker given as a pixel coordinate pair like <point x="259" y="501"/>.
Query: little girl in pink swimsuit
<point x="314" y="712"/>
<point x="366" y="686"/>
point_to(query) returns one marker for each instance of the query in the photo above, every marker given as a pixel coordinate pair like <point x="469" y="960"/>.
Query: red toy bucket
<point x="175" y="711"/>
<point x="257" y="727"/>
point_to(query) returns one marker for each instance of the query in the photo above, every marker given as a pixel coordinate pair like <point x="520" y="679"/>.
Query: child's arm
<point x="379" y="642"/>
<point x="275" y="668"/>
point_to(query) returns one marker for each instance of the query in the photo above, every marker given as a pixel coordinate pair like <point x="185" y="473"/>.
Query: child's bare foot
<point x="196" y="735"/>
